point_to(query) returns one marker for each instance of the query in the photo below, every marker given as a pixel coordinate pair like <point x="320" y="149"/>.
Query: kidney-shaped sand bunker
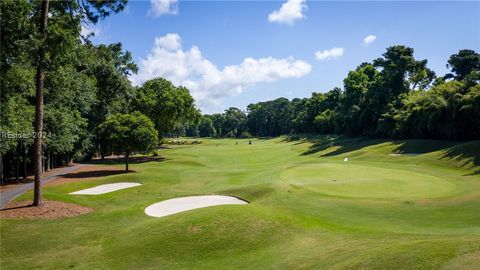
<point x="177" y="205"/>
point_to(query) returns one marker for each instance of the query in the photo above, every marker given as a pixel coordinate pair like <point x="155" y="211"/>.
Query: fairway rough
<point x="177" y="205"/>
<point x="105" y="188"/>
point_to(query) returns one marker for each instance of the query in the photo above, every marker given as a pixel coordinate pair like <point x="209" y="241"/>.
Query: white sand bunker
<point x="105" y="188"/>
<point x="177" y="205"/>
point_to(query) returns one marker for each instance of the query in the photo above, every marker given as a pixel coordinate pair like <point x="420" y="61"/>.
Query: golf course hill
<point x="314" y="202"/>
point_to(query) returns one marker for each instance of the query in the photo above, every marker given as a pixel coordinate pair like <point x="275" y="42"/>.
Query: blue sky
<point x="232" y="53"/>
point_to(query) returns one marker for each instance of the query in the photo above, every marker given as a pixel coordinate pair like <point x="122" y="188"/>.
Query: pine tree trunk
<point x="49" y="161"/>
<point x="24" y="162"/>
<point x="37" y="194"/>
<point x="17" y="161"/>
<point x="127" y="155"/>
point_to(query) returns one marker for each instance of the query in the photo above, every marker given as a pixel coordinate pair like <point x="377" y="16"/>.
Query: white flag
<point x="345" y="159"/>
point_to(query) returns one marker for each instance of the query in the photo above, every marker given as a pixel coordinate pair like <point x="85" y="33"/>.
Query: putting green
<point x="351" y="180"/>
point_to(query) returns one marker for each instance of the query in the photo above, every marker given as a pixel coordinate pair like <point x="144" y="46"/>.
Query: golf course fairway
<point x="412" y="204"/>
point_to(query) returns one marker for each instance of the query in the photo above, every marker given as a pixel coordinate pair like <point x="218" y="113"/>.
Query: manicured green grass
<point x="367" y="181"/>
<point x="416" y="209"/>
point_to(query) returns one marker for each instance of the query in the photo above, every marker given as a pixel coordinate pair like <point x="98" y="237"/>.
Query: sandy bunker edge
<point x="106" y="188"/>
<point x="182" y="204"/>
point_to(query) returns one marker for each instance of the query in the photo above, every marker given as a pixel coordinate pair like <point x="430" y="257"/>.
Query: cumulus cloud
<point x="329" y="54"/>
<point x="90" y="30"/>
<point x="163" y="7"/>
<point x="289" y="12"/>
<point x="169" y="41"/>
<point x="369" y="39"/>
<point x="209" y="84"/>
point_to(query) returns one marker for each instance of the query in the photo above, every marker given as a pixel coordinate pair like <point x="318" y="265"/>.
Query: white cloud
<point x="208" y="84"/>
<point x="288" y="12"/>
<point x="90" y="29"/>
<point x="162" y="7"/>
<point x="169" y="41"/>
<point x="329" y="54"/>
<point x="369" y="39"/>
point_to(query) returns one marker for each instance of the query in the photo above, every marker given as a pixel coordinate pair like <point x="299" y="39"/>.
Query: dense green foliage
<point x="84" y="85"/>
<point x="129" y="133"/>
<point x="386" y="208"/>
<point x="167" y="105"/>
<point x="396" y="96"/>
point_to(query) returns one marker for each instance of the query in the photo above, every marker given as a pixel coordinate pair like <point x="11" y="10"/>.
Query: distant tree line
<point x="395" y="96"/>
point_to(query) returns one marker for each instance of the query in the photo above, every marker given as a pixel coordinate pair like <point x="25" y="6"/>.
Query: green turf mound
<point x="465" y="155"/>
<point x="364" y="182"/>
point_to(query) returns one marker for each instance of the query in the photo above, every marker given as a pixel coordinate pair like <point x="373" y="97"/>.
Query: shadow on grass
<point x="121" y="160"/>
<point x="99" y="173"/>
<point x="404" y="147"/>
<point x="17" y="207"/>
<point x="262" y="138"/>
<point x="323" y="142"/>
<point x="465" y="154"/>
<point x="420" y="146"/>
<point x="352" y="144"/>
<point x="462" y="154"/>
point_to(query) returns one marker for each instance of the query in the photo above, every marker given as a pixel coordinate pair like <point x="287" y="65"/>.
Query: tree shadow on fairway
<point x="121" y="160"/>
<point x="323" y="142"/>
<point x="477" y="172"/>
<point x="403" y="147"/>
<point x="419" y="146"/>
<point x="466" y="155"/>
<point x="319" y="142"/>
<point x="264" y="138"/>
<point x="89" y="174"/>
<point x="347" y="145"/>
<point x="460" y="154"/>
<point x="303" y="137"/>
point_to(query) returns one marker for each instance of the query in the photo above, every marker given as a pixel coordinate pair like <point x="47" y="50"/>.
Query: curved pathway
<point x="11" y="193"/>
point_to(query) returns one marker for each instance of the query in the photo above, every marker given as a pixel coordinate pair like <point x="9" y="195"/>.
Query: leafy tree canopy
<point x="128" y="133"/>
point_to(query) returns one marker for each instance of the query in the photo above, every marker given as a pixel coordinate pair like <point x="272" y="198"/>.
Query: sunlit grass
<point x="308" y="209"/>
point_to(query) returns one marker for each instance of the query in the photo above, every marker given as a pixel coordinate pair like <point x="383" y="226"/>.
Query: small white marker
<point x="345" y="159"/>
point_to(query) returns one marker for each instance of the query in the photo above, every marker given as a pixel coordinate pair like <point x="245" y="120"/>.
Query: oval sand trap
<point x="105" y="188"/>
<point x="177" y="205"/>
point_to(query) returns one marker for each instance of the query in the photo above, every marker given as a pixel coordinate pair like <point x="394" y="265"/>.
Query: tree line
<point x="395" y="96"/>
<point x="70" y="99"/>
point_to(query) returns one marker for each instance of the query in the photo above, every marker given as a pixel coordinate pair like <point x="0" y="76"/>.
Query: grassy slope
<point x="403" y="212"/>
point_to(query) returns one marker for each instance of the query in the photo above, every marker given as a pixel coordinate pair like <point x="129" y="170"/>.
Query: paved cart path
<point x="11" y="193"/>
